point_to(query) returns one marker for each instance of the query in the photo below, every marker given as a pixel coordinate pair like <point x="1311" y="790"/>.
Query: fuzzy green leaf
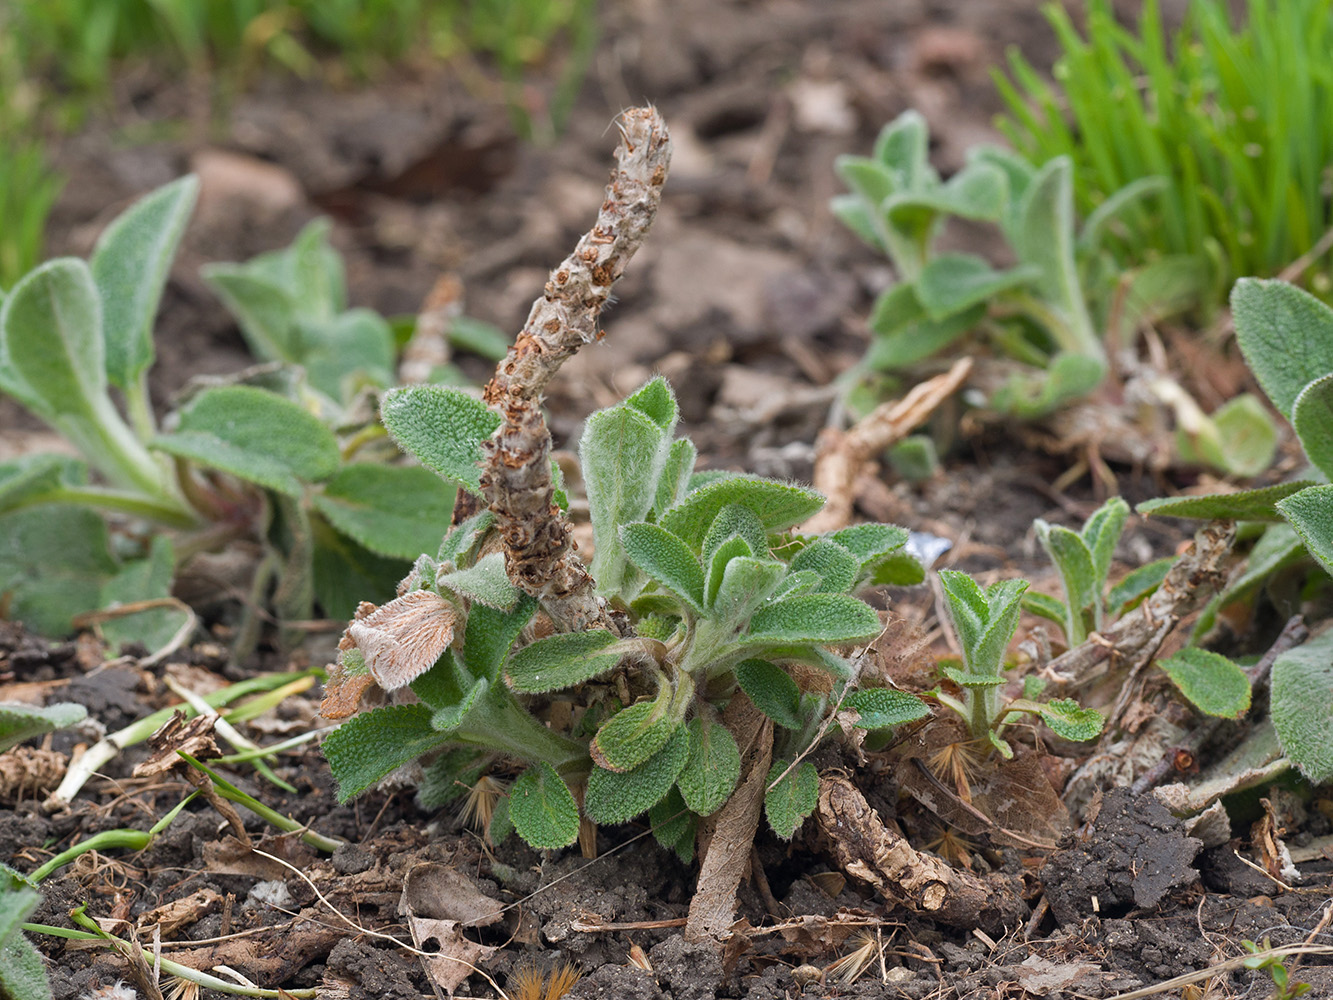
<point x="734" y="547"/>
<point x="20" y="722"/>
<point x="1212" y="683"/>
<point x="883" y="708"/>
<point x="1247" y="505"/>
<point x="490" y="634"/>
<point x="1310" y="512"/>
<point x="1302" y="706"/>
<point x="51" y="347"/>
<point x="368" y="746"/>
<point x="141" y="580"/>
<point x="860" y="218"/>
<point x="617" y="797"/>
<point x="442" y="427"/>
<point x="837" y="567"/>
<point x="736" y="521"/>
<point x="788" y="803"/>
<point x="262" y="307"/>
<point x="622" y="453"/>
<point x="667" y="559"/>
<point x="1247" y="438"/>
<point x="871" y="180"/>
<point x="984" y="620"/>
<point x="973" y="681"/>
<point x="346" y="573"/>
<point x="675" y="477"/>
<point x="657" y="402"/>
<point x="1077" y="572"/>
<point x="561" y="661"/>
<point x="486" y="581"/>
<point x="130" y="265"/>
<point x="955" y="282"/>
<point x="1312" y="416"/>
<point x="255" y="435"/>
<point x="1045" y="606"/>
<point x="871" y="542"/>
<point x="671" y="820"/>
<point x="968" y="609"/>
<point x="1286" y="335"/>
<point x="902" y="145"/>
<point x="905" y="335"/>
<point x="821" y="618"/>
<point x="634" y="734"/>
<point x="463" y="541"/>
<point x="772" y="691"/>
<point x="22" y="971"/>
<point x="1071" y="721"/>
<point x="1100" y="534"/>
<point x="795" y="584"/>
<point x="28" y="478"/>
<point x="779" y="505"/>
<point x="54" y="560"/>
<point x="1138" y="583"/>
<point x="713" y="768"/>
<point x="395" y="510"/>
<point x="346" y="352"/>
<point x="543" y="809"/>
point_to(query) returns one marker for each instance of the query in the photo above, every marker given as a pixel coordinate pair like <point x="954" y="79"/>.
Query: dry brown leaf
<point x="404" y="638"/>
<point x="438" y="902"/>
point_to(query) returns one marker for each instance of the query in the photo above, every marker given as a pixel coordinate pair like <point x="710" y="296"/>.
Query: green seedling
<point x="1286" y="336"/>
<point x="718" y="596"/>
<point x="262" y="459"/>
<point x="127" y="839"/>
<point x="1239" y="175"/>
<point x="984" y="622"/>
<point x="1262" y="957"/>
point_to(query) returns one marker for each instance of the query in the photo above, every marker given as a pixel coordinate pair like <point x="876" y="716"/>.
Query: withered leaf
<point x="402" y="640"/>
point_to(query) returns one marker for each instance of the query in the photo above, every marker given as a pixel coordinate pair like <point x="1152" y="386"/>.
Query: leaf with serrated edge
<point x="1101" y="533"/>
<point x="1310" y="512"/>
<point x="622" y="452"/>
<point x="823" y="618"/>
<point x="1286" y="335"/>
<point x="395" y="510"/>
<point x="883" y="708"/>
<point x="1071" y="721"/>
<point x="779" y="505"/>
<point x="486" y="581"/>
<point x="617" y="797"/>
<point x="772" y="691"/>
<point x="657" y="402"/>
<point x="543" y="809"/>
<point x="836" y="566"/>
<point x="1213" y="684"/>
<point x="666" y="559"/>
<point x="560" y="661"/>
<point x="491" y="633"/>
<point x="736" y="521"/>
<point x="1302" y="706"/>
<point x="713" y="768"/>
<point x="633" y="735"/>
<point x="1312" y="416"/>
<point x="788" y="803"/>
<point x="255" y="435"/>
<point x="130" y="265"/>
<point x="368" y="746"/>
<point x="1005" y="600"/>
<point x="967" y="606"/>
<point x="443" y="428"/>
<point x="1246" y="505"/>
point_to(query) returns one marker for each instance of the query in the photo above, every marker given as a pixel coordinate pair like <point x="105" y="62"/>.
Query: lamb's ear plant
<point x="262" y="458"/>
<point x="22" y="972"/>
<point x="607" y="692"/>
<point x="1286" y="336"/>
<point x="984" y="621"/>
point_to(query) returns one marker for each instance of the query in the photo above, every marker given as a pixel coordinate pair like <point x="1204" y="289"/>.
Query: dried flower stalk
<point x="516" y="479"/>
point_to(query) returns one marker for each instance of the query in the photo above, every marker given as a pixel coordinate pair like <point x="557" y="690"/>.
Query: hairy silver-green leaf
<point x="713" y="768"/>
<point x="672" y="823"/>
<point x="255" y="435"/>
<point x="772" y="691"/>
<point x="561" y="661"/>
<point x="617" y="797"/>
<point x="491" y="633"/>
<point x="734" y="547"/>
<point x="486" y="581"/>
<point x="395" y="510"/>
<point x="1302" y="706"/>
<point x="461" y="545"/>
<point x="1071" y="721"/>
<point x="779" y="505"/>
<point x="667" y="559"/>
<point x="343" y="354"/>
<point x="19" y="722"/>
<point x="634" y="734"/>
<point x="736" y="521"/>
<point x="1246" y="505"/>
<point x="262" y="307"/>
<point x="1310" y="512"/>
<point x="368" y="746"/>
<point x="543" y="809"/>
<point x="984" y="620"/>
<point x="821" y="618"/>
<point x="622" y="452"/>
<point x="1100" y="534"/>
<point x="1138" y="583"/>
<point x="345" y="573"/>
<point x="788" y="803"/>
<point x="130" y="265"/>
<point x="675" y="476"/>
<point x="1286" y="335"/>
<point x="746" y="584"/>
<point x="883" y="708"/>
<point x="1312" y="416"/>
<point x="22" y="972"/>
<point x="1212" y="683"/>
<point x="837" y="566"/>
<point x="442" y="427"/>
<point x="143" y="580"/>
<point x="954" y="282"/>
<point x="1078" y="573"/>
<point x="28" y="478"/>
<point x="657" y="402"/>
<point x="54" y="560"/>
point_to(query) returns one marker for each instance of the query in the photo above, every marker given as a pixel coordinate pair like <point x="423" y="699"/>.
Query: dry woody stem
<point x="516" y="479"/>
<point x="869" y="850"/>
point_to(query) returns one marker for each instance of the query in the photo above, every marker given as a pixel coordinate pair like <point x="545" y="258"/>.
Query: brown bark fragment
<point x="516" y="481"/>
<point x="866" y="848"/>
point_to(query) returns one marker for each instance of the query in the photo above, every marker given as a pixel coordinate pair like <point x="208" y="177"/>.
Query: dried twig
<point x="841" y="456"/>
<point x="868" y="849"/>
<point x="516" y="479"/>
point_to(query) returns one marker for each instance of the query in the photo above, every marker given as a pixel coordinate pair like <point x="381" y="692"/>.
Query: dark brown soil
<point x="752" y="299"/>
